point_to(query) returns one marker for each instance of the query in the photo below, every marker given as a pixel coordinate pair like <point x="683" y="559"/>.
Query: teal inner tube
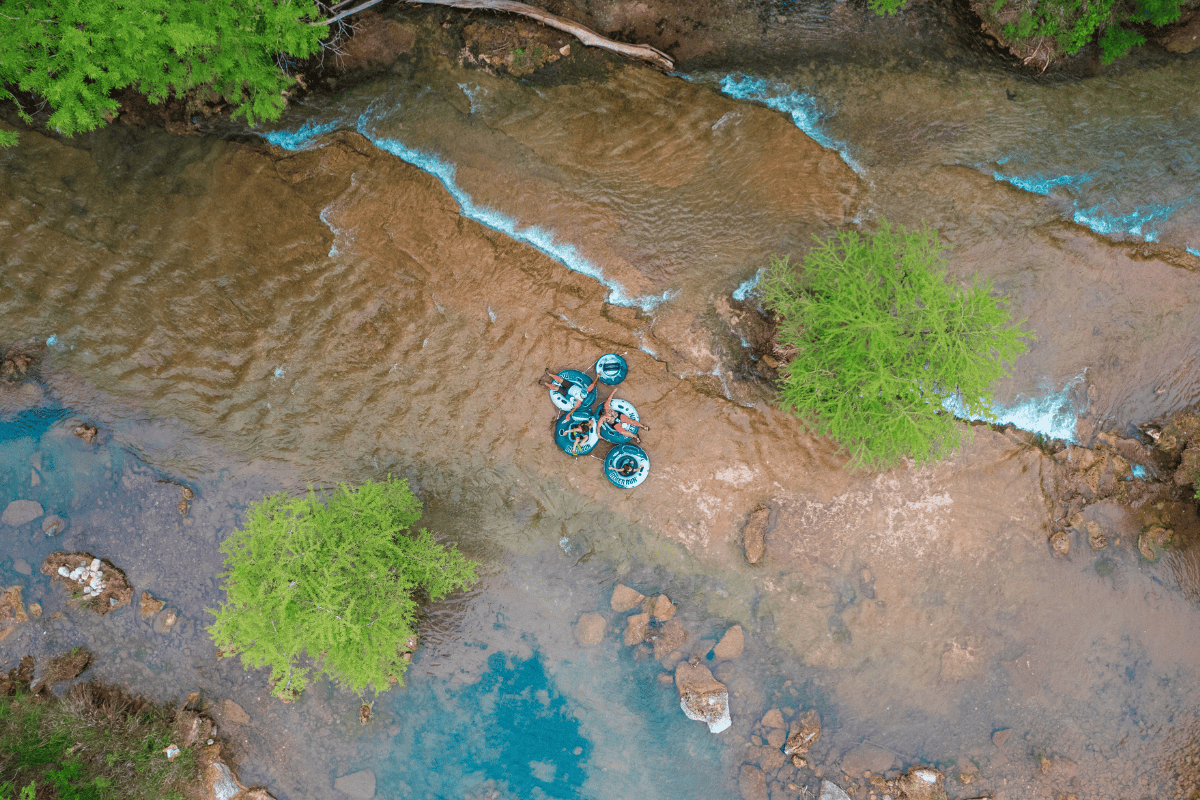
<point x="576" y="443"/>
<point x="611" y="369"/>
<point x="576" y="383"/>
<point x="626" y="466"/>
<point x="617" y="435"/>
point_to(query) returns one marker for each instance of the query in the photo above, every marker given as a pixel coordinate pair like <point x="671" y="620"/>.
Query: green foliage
<point x="334" y="580"/>
<point x="97" y="743"/>
<point x="1072" y="24"/>
<point x="76" y="53"/>
<point x="886" y="7"/>
<point x="1116" y="42"/>
<point x="881" y="341"/>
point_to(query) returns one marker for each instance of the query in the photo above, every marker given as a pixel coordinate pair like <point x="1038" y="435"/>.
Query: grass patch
<point x="97" y="742"/>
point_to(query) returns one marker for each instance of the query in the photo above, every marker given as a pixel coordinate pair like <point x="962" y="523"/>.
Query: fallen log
<point x="584" y="34"/>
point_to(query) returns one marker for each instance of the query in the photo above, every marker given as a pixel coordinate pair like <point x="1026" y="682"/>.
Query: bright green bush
<point x="1072" y="24"/>
<point x="330" y="588"/>
<point x="75" y="53"/>
<point x="880" y="341"/>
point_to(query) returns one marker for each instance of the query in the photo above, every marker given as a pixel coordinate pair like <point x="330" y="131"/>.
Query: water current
<point x="374" y="286"/>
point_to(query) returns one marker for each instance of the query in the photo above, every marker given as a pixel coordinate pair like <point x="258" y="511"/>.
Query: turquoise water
<point x="535" y="727"/>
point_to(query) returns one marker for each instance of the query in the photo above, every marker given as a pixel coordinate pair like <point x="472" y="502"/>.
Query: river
<point x="374" y="285"/>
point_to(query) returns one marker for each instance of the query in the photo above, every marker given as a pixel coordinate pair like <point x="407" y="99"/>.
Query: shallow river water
<point x="374" y="288"/>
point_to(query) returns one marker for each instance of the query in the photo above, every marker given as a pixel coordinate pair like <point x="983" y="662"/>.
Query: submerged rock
<point x="589" y="630"/>
<point x="150" y="605"/>
<point x="803" y="733"/>
<point x="1060" y="543"/>
<point x="625" y="599"/>
<point x="18" y="512"/>
<point x="357" y="784"/>
<point x="53" y="525"/>
<point x="660" y="607"/>
<point x="752" y="783"/>
<point x="754" y="535"/>
<point x="668" y="638"/>
<point x="1152" y="543"/>
<point x="635" y="631"/>
<point x="1096" y="538"/>
<point x="922" y="783"/>
<point x="702" y="697"/>
<point x="12" y="611"/>
<point x="731" y="644"/>
<point x="831" y="791"/>
<point x="164" y="621"/>
<point x="86" y="432"/>
<point x="236" y="714"/>
<point x="773" y="719"/>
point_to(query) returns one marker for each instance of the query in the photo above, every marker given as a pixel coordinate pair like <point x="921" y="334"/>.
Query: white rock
<point x="95" y="564"/>
<point x="66" y="573"/>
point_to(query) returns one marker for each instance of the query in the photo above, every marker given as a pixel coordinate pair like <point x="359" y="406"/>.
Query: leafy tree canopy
<point x="881" y="341"/>
<point x="335" y="581"/>
<point x="1069" y="25"/>
<point x="75" y="53"/>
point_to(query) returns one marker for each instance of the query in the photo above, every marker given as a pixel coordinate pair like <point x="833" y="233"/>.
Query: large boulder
<point x="702" y="697"/>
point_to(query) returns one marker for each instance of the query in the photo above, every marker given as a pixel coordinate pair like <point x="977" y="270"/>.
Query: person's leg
<point x="630" y="422"/>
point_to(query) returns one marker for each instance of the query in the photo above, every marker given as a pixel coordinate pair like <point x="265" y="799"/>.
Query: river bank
<point x="239" y="318"/>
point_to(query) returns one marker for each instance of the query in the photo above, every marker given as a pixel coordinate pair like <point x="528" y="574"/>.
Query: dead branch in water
<point x="584" y="34"/>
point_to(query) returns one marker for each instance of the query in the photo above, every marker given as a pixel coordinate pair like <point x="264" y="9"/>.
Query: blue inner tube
<point x="611" y="369"/>
<point x="626" y="466"/>
<point x="576" y="444"/>
<point x="576" y="382"/>
<point x="617" y="434"/>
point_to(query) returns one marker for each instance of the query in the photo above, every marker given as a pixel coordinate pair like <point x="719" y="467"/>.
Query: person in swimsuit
<point x="614" y="418"/>
<point x="557" y="383"/>
<point x="580" y="431"/>
<point x="627" y="468"/>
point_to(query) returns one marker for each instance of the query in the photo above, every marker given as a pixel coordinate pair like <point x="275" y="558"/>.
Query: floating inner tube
<point x="576" y="383"/>
<point x="611" y="369"/>
<point x="626" y="466"/>
<point x="576" y="443"/>
<point x="617" y="435"/>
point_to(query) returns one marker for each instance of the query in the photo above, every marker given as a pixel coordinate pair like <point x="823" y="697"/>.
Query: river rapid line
<point x="375" y="287"/>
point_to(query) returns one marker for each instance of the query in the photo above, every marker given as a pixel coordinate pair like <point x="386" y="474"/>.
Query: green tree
<point x="330" y="588"/>
<point x="74" y="54"/>
<point x="880" y="342"/>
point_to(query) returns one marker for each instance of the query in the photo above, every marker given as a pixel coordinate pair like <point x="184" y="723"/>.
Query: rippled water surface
<point x="377" y="288"/>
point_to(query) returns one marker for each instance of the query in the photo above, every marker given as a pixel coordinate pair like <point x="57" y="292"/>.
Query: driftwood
<point x="584" y="34"/>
